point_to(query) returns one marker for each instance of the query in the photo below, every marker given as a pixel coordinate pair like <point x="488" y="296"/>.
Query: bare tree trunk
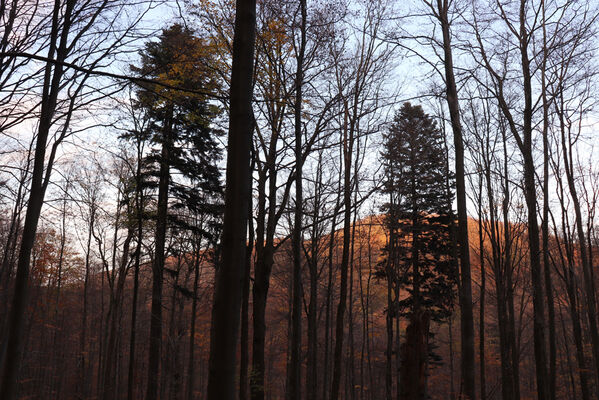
<point x="262" y="271"/>
<point x="244" y="356"/>
<point x="501" y="265"/>
<point x="414" y="354"/>
<point x="389" y="326"/>
<point x="328" y="327"/>
<point x="51" y="87"/>
<point x="545" y="222"/>
<point x="466" y="311"/>
<point x="513" y="369"/>
<point x="523" y="136"/>
<point x="347" y="143"/>
<point x="192" y="328"/>
<point x="312" y="358"/>
<point x="56" y="379"/>
<point x="227" y="294"/>
<point x="578" y="342"/>
<point x="296" y="311"/>
<point x="82" y="338"/>
<point x="539" y="324"/>
<point x="139" y="207"/>
<point x="483" y="288"/>
<point x="110" y="387"/>
<point x="566" y="257"/>
<point x="591" y="306"/>
<point x="350" y="315"/>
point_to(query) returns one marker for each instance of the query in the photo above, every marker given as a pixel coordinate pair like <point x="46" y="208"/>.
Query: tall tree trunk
<point x="227" y="293"/>
<point x="483" y="288"/>
<point x="578" y="342"/>
<point x="55" y="387"/>
<point x="158" y="266"/>
<point x="591" y="306"/>
<point x="414" y="354"/>
<point x="61" y="24"/>
<point x="567" y="261"/>
<point x="545" y="222"/>
<point x="244" y="356"/>
<point x="466" y="311"/>
<point x="262" y="270"/>
<point x="296" y="311"/>
<point x="350" y="314"/>
<point x="312" y="358"/>
<point x="139" y="206"/>
<point x="83" y="337"/>
<point x="513" y="368"/>
<point x="266" y="222"/>
<point x="347" y="148"/>
<point x="523" y="137"/>
<point x="192" y="328"/>
<point x="110" y="388"/>
<point x="539" y="325"/>
<point x="389" y="326"/>
<point x="328" y="327"/>
<point x="500" y="265"/>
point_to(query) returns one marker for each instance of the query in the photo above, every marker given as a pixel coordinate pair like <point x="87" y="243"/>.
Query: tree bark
<point x="483" y="288"/>
<point x="296" y="311"/>
<point x="466" y="311"/>
<point x="110" y="387"/>
<point x="51" y="87"/>
<point x="244" y="356"/>
<point x="591" y="305"/>
<point x="347" y="147"/>
<point x="312" y="357"/>
<point x="414" y="354"/>
<point x="545" y="222"/>
<point x="139" y="200"/>
<point x="158" y="266"/>
<point x="227" y="295"/>
<point x="539" y="325"/>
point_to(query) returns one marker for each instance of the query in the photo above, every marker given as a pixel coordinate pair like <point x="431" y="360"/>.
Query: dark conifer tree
<point x="181" y="117"/>
<point x="418" y="212"/>
<point x="183" y="164"/>
<point x="419" y="257"/>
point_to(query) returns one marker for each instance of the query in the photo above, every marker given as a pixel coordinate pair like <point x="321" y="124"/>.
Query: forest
<point x="299" y="199"/>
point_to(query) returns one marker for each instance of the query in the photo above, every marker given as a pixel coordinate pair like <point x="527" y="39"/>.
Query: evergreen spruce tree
<point x="418" y="258"/>
<point x="418" y="213"/>
<point x="183" y="162"/>
<point x="181" y="118"/>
